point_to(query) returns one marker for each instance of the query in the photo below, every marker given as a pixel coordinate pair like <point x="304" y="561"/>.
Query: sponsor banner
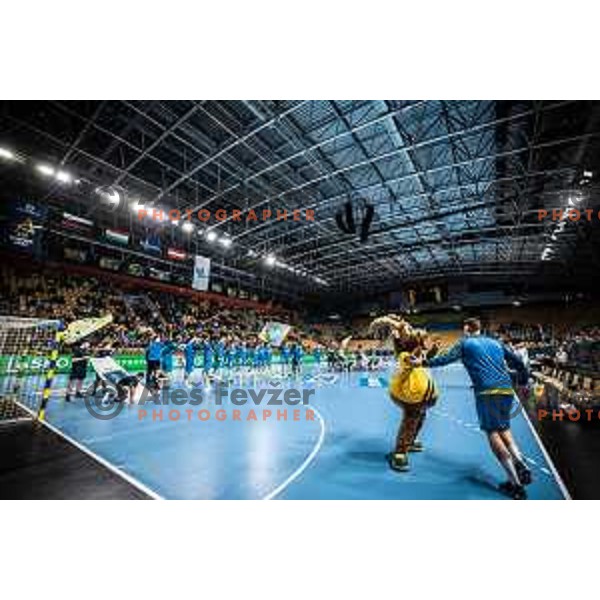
<point x="38" y="365"/>
<point x="201" y="273"/>
<point x="133" y="363"/>
<point x="21" y="225"/>
<point x="135" y="269"/>
<point x="75" y="254"/>
<point x="112" y="264"/>
<point x="158" y="274"/>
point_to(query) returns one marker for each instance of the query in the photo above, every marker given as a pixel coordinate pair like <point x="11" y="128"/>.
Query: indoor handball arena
<point x="382" y="299"/>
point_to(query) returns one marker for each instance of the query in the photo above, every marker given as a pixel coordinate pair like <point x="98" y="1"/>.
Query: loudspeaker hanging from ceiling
<point x="346" y="222"/>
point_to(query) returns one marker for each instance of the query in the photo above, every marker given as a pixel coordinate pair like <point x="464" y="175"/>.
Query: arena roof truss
<point x="456" y="185"/>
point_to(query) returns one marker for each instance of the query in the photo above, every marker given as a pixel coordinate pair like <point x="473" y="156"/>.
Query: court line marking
<point x="105" y="463"/>
<point x="554" y="471"/>
<point x="317" y="447"/>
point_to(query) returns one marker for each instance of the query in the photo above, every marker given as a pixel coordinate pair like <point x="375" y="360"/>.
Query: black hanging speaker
<point x="345" y="220"/>
<point x="366" y="224"/>
<point x="347" y="226"/>
<point x="339" y="219"/>
<point x="350" y="218"/>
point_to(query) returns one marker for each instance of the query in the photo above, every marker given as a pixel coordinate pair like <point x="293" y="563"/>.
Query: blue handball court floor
<point x="340" y="454"/>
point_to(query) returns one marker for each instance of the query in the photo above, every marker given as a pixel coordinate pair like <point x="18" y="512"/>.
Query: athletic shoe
<point x="516" y="492"/>
<point x="398" y="461"/>
<point x="67" y="398"/>
<point x="416" y="446"/>
<point x="523" y="472"/>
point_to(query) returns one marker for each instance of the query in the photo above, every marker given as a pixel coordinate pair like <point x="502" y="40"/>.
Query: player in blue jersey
<point x="153" y="358"/>
<point x="284" y="357"/>
<point x="317" y="357"/>
<point x="189" y="355"/>
<point x="258" y="357"/>
<point x="268" y="357"/>
<point x="219" y="348"/>
<point x="250" y="354"/>
<point x="167" y="361"/>
<point x="296" y="354"/>
<point x="229" y="355"/>
<point x="208" y="358"/>
<point x="487" y="362"/>
<point x="241" y="355"/>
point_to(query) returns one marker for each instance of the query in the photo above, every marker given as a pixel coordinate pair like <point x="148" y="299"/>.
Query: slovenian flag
<point x="70" y="221"/>
<point x="117" y="235"/>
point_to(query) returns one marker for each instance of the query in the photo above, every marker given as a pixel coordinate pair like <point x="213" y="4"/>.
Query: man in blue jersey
<point x="317" y="357"/>
<point x="167" y="362"/>
<point x="251" y="354"/>
<point x="241" y="354"/>
<point x="296" y="354"/>
<point x="153" y="358"/>
<point x="284" y="357"/>
<point x="487" y="361"/>
<point x="267" y="357"/>
<point x="189" y="353"/>
<point x="219" y="349"/>
<point x="229" y="355"/>
<point x="259" y="356"/>
<point x="207" y="357"/>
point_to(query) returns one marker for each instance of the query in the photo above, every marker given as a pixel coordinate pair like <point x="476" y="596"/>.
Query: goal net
<point x="28" y="355"/>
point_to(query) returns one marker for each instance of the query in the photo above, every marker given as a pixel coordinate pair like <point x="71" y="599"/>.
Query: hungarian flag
<point x="117" y="235"/>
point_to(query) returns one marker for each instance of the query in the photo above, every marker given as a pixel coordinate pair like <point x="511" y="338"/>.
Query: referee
<point x="79" y="365"/>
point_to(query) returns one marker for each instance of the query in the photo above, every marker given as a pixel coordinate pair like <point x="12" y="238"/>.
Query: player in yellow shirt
<point x="411" y="387"/>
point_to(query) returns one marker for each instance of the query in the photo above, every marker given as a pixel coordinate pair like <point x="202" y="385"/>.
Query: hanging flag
<point x="70" y="221"/>
<point x="176" y="254"/>
<point x="118" y="236"/>
<point x="201" y="273"/>
<point x="77" y="330"/>
<point x="21" y="225"/>
<point x="274" y="333"/>
<point x="151" y="244"/>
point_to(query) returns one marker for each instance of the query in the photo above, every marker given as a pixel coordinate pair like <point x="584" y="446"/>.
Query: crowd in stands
<point x="138" y="315"/>
<point x="565" y="360"/>
<point x="575" y="347"/>
<point x="142" y="314"/>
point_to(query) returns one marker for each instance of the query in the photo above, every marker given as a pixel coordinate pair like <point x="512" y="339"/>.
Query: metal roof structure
<point x="455" y="185"/>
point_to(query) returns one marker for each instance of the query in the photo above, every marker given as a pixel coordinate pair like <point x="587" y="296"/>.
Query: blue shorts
<point x="494" y="411"/>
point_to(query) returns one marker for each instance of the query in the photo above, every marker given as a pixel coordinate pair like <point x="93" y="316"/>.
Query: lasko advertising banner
<point x="201" y="273"/>
<point x="133" y="363"/>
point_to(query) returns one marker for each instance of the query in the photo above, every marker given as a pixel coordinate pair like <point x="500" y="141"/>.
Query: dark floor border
<point x="39" y="462"/>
